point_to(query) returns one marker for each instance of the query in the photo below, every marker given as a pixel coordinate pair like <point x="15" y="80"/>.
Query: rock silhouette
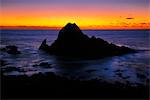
<point x="11" y="49"/>
<point x="71" y="42"/>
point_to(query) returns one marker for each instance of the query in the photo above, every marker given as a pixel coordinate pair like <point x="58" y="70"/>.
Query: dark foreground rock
<point x="3" y="62"/>
<point x="73" y="43"/>
<point x="53" y="86"/>
<point x="11" y="49"/>
<point x="43" y="64"/>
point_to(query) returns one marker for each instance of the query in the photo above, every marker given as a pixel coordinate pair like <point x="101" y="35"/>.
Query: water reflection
<point x="124" y="69"/>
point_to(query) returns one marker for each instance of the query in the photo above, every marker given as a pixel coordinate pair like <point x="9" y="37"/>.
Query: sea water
<point x="129" y="68"/>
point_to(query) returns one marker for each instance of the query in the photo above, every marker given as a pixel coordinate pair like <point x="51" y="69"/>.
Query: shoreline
<point x="82" y="29"/>
<point x="50" y="85"/>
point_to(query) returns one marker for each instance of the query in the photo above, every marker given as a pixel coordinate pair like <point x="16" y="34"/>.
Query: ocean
<point x="130" y="68"/>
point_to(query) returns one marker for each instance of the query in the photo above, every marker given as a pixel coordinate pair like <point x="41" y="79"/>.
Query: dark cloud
<point x="129" y="18"/>
<point x="143" y="23"/>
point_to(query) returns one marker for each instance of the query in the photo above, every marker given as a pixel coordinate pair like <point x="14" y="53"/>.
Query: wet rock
<point x="35" y="65"/>
<point x="119" y="74"/>
<point x="105" y="68"/>
<point x="147" y="80"/>
<point x="128" y="82"/>
<point x="43" y="64"/>
<point x="2" y="49"/>
<point x="118" y="70"/>
<point x="44" y="45"/>
<point x="71" y="42"/>
<point x="125" y="77"/>
<point x="9" y="69"/>
<point x="90" y="70"/>
<point x="142" y="76"/>
<point x="11" y="49"/>
<point x="3" y="63"/>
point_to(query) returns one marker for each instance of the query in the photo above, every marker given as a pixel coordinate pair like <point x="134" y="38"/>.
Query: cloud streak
<point x="129" y="18"/>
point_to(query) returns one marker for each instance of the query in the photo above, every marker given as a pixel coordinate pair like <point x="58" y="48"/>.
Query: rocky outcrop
<point x="11" y="49"/>
<point x="71" y="42"/>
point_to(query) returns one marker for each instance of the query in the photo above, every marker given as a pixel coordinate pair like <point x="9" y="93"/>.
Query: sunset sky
<point x="88" y="14"/>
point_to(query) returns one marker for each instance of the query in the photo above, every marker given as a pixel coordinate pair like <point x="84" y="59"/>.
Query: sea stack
<point x="71" y="42"/>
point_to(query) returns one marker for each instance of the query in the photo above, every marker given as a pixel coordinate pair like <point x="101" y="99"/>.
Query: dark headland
<point x="71" y="42"/>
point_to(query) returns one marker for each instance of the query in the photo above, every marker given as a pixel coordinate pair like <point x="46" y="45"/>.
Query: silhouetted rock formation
<point x="11" y="49"/>
<point x="73" y="43"/>
<point x="44" y="46"/>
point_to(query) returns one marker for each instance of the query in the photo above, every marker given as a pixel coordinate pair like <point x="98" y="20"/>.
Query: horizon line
<point x="23" y="27"/>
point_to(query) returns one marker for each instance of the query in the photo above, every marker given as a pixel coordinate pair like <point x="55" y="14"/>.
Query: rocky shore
<point x="50" y="85"/>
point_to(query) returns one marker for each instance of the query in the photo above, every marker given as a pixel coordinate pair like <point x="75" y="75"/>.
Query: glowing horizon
<point x="88" y="14"/>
